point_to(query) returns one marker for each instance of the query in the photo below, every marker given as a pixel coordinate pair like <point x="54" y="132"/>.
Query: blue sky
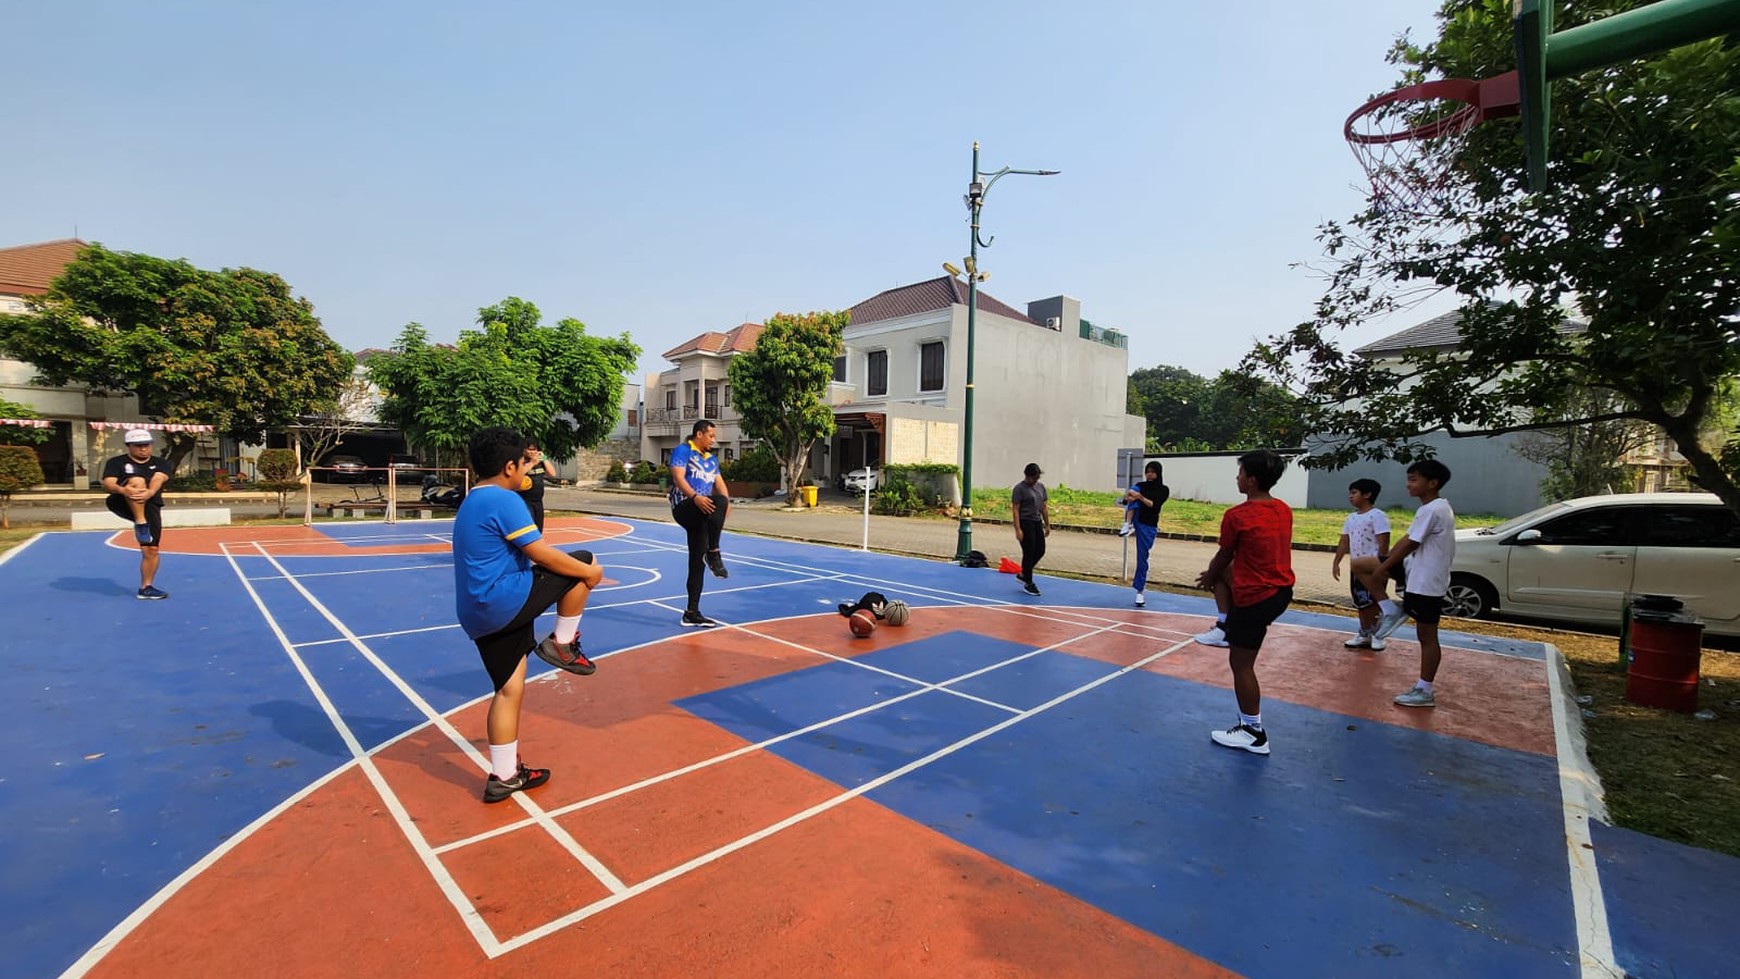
<point x="668" y="169"/>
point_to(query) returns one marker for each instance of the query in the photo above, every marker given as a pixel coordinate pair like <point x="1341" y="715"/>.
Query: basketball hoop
<point x="1408" y="140"/>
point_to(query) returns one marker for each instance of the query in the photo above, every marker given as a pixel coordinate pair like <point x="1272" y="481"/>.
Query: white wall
<point x="1213" y="478"/>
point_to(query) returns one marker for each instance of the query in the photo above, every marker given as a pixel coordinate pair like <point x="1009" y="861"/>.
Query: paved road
<point x="1173" y="562"/>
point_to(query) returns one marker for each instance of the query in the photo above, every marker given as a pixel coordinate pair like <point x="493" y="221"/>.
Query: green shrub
<point x="279" y="473"/>
<point x="618" y="472"/>
<point x="898" y="498"/>
<point x="758" y="465"/>
<point x="19" y="470"/>
<point x="645" y="474"/>
<point x="199" y="482"/>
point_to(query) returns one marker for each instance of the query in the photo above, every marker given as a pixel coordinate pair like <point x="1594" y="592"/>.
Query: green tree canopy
<point x="553" y="383"/>
<point x="19" y="434"/>
<point x="231" y="349"/>
<point x="1638" y="232"/>
<point x="1186" y="411"/>
<point x="780" y="389"/>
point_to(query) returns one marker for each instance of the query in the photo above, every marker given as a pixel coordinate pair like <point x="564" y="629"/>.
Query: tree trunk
<point x="180" y="447"/>
<point x="1711" y="476"/>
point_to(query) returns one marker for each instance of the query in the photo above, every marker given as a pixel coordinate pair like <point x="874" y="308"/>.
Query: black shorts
<point x="119" y="506"/>
<point x="1424" y="609"/>
<point x="503" y="649"/>
<point x="1246" y="625"/>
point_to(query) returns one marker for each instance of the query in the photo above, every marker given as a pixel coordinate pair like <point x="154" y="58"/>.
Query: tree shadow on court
<point x="312" y="729"/>
<point x="92" y="586"/>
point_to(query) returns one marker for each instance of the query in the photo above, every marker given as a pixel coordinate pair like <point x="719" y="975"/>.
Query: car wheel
<point x="1470" y="598"/>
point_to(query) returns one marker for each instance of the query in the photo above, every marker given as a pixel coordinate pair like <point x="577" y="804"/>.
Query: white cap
<point x="137" y="436"/>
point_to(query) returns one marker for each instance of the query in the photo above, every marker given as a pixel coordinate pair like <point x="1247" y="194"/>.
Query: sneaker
<point x="151" y="594"/>
<point x="566" y="657"/>
<point x="1126" y="530"/>
<point x="1415" y="697"/>
<point x="716" y="563"/>
<point x="1141" y="599"/>
<point x="1030" y="588"/>
<point x="142" y="533"/>
<point x="1376" y="644"/>
<point x="1359" y="641"/>
<point x="695" y="620"/>
<point x="1389" y="623"/>
<point x="1213" y="637"/>
<point x="497" y="790"/>
<point x="1253" y="740"/>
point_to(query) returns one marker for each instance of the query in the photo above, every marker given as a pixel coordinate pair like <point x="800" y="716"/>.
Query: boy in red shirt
<point x="1252" y="580"/>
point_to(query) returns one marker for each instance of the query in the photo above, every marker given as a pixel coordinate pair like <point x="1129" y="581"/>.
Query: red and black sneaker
<point x="497" y="789"/>
<point x="566" y="657"/>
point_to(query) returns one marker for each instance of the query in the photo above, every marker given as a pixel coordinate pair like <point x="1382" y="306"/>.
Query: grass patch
<point x="1085" y="508"/>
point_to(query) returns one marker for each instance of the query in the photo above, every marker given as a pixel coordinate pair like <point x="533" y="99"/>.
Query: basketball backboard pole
<point x="1542" y="55"/>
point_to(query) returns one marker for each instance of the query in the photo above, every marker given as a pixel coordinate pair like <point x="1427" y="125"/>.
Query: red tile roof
<point x="736" y="341"/>
<point x="923" y="297"/>
<point x="26" y="270"/>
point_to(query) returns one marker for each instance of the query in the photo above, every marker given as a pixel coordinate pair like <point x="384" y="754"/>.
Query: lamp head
<point x="949" y="267"/>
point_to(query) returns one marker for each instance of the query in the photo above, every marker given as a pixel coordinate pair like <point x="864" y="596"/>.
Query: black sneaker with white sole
<point x="716" y="564"/>
<point x="1031" y="588"/>
<point x="695" y="620"/>
<point x="498" y="789"/>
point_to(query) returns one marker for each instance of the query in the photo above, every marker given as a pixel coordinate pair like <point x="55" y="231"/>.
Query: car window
<point x="1689" y="526"/>
<point x="1602" y="525"/>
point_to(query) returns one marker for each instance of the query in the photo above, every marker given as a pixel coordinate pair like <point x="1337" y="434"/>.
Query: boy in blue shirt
<point x="505" y="576"/>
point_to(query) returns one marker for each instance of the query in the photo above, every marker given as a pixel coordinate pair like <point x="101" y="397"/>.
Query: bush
<point x="645" y="474"/>
<point x="279" y="473"/>
<point x="898" y="498"/>
<point x="199" y="482"/>
<point x="19" y="470"/>
<point x="618" y="473"/>
<point x="758" y="465"/>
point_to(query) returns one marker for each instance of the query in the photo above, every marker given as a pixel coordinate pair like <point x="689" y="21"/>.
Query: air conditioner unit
<point x="1053" y="323"/>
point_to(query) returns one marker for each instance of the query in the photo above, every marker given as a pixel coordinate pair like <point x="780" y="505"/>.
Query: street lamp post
<point x="975" y="198"/>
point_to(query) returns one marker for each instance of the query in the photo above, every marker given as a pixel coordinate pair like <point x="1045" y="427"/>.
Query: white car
<point x="857" y="480"/>
<point x="1578" y="560"/>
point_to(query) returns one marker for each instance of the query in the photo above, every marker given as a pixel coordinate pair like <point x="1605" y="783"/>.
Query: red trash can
<point x="1665" y="654"/>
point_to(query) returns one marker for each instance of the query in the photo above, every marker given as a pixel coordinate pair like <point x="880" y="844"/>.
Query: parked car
<point x="343" y="469"/>
<point x="405" y="467"/>
<point x="1578" y="560"/>
<point x="858" y="480"/>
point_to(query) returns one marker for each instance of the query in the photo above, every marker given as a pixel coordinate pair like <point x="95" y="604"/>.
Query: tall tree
<point x="780" y="389"/>
<point x="330" y="419"/>
<point x="554" y="383"/>
<point x="232" y="349"/>
<point x="1638" y="231"/>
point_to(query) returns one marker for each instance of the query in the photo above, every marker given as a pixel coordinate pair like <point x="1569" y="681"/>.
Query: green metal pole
<point x="964" y="538"/>
<point x="1637" y="32"/>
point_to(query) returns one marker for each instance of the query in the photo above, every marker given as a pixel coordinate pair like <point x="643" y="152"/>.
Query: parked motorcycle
<point x="437" y="493"/>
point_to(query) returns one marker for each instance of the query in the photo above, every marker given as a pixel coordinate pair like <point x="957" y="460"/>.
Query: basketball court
<point x="277" y="772"/>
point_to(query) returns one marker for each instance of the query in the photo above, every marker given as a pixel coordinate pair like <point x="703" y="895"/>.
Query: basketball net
<point x="1408" y="140"/>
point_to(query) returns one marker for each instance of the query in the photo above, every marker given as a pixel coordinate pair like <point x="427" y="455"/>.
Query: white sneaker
<point x="1376" y="644"/>
<point x="1389" y="623"/>
<point x="1359" y="641"/>
<point x="1213" y="637"/>
<point x="1141" y="599"/>
<point x="1415" y="697"/>
<point x="1253" y="740"/>
<point x="1126" y="530"/>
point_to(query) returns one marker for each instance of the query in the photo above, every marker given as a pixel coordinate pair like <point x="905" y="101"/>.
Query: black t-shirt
<point x="122" y="467"/>
<point x="535" y="495"/>
<point x="1154" y="490"/>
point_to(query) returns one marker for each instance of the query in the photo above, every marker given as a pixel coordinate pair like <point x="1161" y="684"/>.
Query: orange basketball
<point x="525" y="483"/>
<point x="862" y="622"/>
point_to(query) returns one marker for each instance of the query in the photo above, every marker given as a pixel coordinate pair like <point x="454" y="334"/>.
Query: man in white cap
<point x="135" y="483"/>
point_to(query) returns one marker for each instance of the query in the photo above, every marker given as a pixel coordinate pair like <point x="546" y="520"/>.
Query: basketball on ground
<point x="896" y="612"/>
<point x="862" y="623"/>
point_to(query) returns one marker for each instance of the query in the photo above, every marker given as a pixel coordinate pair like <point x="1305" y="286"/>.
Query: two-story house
<point x="1050" y="388"/>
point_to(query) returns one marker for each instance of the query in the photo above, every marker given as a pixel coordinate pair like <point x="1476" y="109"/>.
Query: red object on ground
<point x="1008" y="566"/>
<point x="1664" y="664"/>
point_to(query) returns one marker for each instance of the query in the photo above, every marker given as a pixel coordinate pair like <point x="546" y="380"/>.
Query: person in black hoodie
<point x="1149" y="495"/>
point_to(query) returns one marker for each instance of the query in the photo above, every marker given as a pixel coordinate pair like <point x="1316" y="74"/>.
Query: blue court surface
<point x="1031" y="778"/>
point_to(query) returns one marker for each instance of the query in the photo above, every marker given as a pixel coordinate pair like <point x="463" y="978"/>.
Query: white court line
<point x="1580" y="792"/>
<point x="560" y="835"/>
<point x="9" y="555"/>
<point x="940" y="686"/>
<point x="711" y="856"/>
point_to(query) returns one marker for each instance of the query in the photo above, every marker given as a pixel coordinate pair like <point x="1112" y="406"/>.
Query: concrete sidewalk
<point x="1100" y="554"/>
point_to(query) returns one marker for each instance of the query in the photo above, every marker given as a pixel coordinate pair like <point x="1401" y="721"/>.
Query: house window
<point x="876" y="364"/>
<point x="670" y="399"/>
<point x="840" y="369"/>
<point x="930" y="366"/>
<point x="727" y="395"/>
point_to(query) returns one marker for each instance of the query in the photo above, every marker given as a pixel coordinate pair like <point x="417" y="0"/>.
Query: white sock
<point x="1252" y="721"/>
<point x="1389" y="607"/>
<point x="566" y="627"/>
<point x="1425" y="685"/>
<point x="504" y="760"/>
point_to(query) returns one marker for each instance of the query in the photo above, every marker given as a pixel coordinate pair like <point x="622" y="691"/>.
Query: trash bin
<point x="809" y="495"/>
<point x="1664" y="652"/>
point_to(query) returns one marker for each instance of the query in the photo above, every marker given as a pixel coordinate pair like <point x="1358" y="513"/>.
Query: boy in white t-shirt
<point x="1365" y="534"/>
<point x="1429" y="548"/>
